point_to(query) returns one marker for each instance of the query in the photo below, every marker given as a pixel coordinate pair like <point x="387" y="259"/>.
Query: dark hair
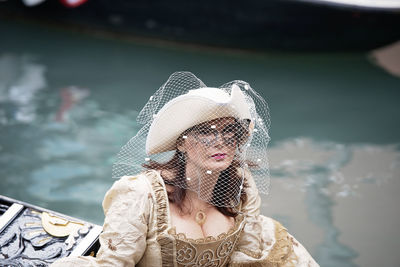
<point x="228" y="178"/>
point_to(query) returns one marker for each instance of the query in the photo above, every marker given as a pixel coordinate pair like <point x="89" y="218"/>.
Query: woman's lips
<point x="219" y="156"/>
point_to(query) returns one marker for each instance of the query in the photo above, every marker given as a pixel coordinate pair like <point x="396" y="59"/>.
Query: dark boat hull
<point x="253" y="24"/>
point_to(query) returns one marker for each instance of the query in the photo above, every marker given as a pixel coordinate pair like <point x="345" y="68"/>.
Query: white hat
<point x="195" y="107"/>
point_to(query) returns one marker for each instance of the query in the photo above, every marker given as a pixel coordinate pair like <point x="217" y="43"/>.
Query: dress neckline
<point x="207" y="239"/>
<point x="182" y="236"/>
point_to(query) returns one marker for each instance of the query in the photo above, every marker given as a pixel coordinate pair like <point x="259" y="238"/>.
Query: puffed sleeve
<point x="123" y="240"/>
<point x="264" y="241"/>
<point x="303" y="257"/>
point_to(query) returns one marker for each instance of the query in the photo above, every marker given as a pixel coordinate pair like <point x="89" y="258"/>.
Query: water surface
<point x="68" y="102"/>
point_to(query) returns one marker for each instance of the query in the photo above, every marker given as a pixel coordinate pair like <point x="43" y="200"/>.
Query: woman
<point x="197" y="204"/>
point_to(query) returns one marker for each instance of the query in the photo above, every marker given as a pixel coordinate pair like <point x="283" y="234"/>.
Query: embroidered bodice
<point x="209" y="251"/>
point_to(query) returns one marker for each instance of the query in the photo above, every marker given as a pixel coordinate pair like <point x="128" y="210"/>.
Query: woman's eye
<point x="203" y="131"/>
<point x="230" y="129"/>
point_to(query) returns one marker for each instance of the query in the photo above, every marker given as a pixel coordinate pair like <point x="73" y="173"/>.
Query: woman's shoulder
<point x="141" y="181"/>
<point x="137" y="182"/>
<point x="271" y="223"/>
<point x="130" y="189"/>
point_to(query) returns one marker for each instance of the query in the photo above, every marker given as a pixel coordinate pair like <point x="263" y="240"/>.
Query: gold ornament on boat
<point x="59" y="227"/>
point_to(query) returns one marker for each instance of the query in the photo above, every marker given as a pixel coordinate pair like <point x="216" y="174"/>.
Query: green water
<point x="334" y="151"/>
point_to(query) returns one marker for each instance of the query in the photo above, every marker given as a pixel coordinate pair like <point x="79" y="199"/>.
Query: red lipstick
<point x="219" y="156"/>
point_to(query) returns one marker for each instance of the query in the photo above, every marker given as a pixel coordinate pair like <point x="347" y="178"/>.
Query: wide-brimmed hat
<point x="188" y="110"/>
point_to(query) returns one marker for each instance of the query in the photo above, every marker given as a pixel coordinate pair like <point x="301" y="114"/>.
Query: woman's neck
<point x="201" y="181"/>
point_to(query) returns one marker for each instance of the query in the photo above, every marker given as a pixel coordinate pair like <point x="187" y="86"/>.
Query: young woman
<point x="196" y="201"/>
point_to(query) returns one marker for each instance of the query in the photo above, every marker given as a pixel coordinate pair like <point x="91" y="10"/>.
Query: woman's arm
<point x="264" y="241"/>
<point x="123" y="240"/>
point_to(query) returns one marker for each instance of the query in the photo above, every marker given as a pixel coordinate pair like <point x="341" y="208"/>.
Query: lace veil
<point x="203" y="139"/>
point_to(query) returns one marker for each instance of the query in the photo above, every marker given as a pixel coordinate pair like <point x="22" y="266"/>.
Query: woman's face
<point x="211" y="145"/>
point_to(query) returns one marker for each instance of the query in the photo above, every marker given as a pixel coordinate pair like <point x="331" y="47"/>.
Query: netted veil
<point x="204" y="139"/>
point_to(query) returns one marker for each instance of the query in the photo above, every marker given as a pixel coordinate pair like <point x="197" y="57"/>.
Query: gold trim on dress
<point x="166" y="242"/>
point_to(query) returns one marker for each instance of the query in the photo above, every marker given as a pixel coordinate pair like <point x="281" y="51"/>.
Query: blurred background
<point x="74" y="74"/>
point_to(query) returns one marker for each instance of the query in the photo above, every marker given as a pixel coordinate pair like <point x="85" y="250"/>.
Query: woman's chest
<point x="212" y="247"/>
<point x="214" y="223"/>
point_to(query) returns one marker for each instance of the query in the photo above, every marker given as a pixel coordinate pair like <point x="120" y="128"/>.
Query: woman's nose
<point x="219" y="141"/>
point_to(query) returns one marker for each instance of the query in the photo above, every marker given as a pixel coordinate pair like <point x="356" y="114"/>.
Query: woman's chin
<point x="218" y="166"/>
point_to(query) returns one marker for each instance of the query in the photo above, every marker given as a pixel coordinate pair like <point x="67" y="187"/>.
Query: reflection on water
<point x="58" y="141"/>
<point x="324" y="173"/>
<point x="20" y="81"/>
<point x="316" y="165"/>
<point x="60" y="144"/>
